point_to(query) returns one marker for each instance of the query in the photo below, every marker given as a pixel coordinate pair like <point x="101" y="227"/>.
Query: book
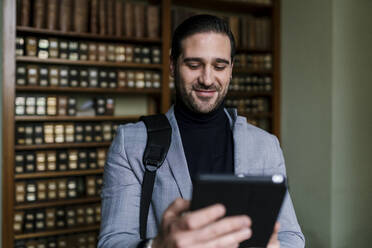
<point x="153" y="22"/>
<point x="139" y="20"/>
<point x="52" y="15"/>
<point x="39" y="13"/>
<point x="119" y="8"/>
<point x="110" y="16"/>
<point x="65" y="15"/>
<point x="81" y="16"/>
<point x="128" y="19"/>
<point x="94" y="16"/>
<point x="25" y="13"/>
<point x="235" y="29"/>
<point x="102" y="16"/>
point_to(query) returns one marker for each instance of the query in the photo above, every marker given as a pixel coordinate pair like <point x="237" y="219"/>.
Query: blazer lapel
<point x="177" y="160"/>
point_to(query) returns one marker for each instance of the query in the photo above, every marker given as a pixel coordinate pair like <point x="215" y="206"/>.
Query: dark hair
<point x="199" y="24"/>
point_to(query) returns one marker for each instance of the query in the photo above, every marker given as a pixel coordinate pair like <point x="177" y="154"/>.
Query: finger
<point x="274" y="242"/>
<point x="220" y="228"/>
<point x="202" y="217"/>
<point x="175" y="209"/>
<point x="229" y="240"/>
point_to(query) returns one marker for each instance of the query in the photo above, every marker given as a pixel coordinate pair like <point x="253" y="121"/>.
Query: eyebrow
<point x="196" y="59"/>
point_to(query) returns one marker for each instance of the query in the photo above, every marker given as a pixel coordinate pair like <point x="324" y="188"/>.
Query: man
<point x="206" y="138"/>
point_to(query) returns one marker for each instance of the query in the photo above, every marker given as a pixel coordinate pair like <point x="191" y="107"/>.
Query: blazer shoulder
<point x="257" y="133"/>
<point x="133" y="131"/>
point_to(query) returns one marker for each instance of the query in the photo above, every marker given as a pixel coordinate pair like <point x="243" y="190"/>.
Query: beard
<point x="201" y="105"/>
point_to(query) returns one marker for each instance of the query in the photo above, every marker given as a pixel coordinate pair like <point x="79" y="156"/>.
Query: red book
<point x="153" y="23"/>
<point x="119" y="8"/>
<point x="65" y="15"/>
<point x="128" y="19"/>
<point x="39" y="11"/>
<point x="25" y="12"/>
<point x="94" y="16"/>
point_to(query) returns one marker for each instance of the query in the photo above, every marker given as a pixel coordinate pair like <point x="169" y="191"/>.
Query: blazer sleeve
<point x="290" y="235"/>
<point x="120" y="199"/>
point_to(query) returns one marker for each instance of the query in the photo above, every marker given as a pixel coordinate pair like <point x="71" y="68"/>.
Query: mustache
<point x="212" y="87"/>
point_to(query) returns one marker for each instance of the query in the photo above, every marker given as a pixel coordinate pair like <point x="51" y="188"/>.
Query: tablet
<point x="259" y="197"/>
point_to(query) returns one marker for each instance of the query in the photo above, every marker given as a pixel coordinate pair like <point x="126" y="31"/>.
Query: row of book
<point x="263" y="123"/>
<point x="56" y="218"/>
<point x="72" y="76"/>
<point x="77" y="240"/>
<point x="251" y="83"/>
<point x="53" y="48"/>
<point x="27" y="105"/>
<point x="249" y="105"/>
<point x="57" y="189"/>
<point x="58" y="133"/>
<point x="104" y="17"/>
<point x="260" y="2"/>
<point x="260" y="62"/>
<point x="45" y="105"/>
<point x="61" y="160"/>
<point x="250" y="32"/>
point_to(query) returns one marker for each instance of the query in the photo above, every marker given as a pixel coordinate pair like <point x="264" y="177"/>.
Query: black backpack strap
<point x="159" y="134"/>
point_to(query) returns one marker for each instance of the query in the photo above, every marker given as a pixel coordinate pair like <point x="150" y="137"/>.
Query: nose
<point x="207" y="76"/>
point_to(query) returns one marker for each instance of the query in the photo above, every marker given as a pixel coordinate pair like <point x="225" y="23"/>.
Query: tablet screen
<point x="259" y="197"/>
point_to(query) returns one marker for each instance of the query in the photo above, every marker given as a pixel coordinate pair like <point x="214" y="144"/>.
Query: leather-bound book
<point x="65" y="15"/>
<point x="234" y="26"/>
<point x="110" y="17"/>
<point x="52" y="14"/>
<point x="128" y="20"/>
<point x="81" y="16"/>
<point x="25" y="12"/>
<point x="139" y="20"/>
<point x="119" y="17"/>
<point x="94" y="16"/>
<point x="153" y="23"/>
<point x="102" y="16"/>
<point x="39" y="13"/>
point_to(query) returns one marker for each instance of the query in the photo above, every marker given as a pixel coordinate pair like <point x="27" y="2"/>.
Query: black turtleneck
<point x="207" y="140"/>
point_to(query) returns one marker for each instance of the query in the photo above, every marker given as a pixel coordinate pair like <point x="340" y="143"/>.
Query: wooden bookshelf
<point x="161" y="96"/>
<point x="55" y="203"/>
<point x="30" y="59"/>
<point x="61" y="146"/>
<point x="49" y="174"/>
<point x="57" y="232"/>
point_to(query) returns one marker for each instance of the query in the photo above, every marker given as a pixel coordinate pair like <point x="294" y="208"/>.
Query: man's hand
<point x="204" y="228"/>
<point x="274" y="242"/>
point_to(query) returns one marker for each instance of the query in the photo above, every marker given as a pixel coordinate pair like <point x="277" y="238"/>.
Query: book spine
<point x="128" y="19"/>
<point x="234" y="25"/>
<point x="25" y="12"/>
<point x="52" y="15"/>
<point x="153" y="23"/>
<point x="139" y="20"/>
<point x="94" y="16"/>
<point x="102" y="17"/>
<point x="39" y="12"/>
<point x="110" y="17"/>
<point x="119" y="18"/>
<point x="65" y="15"/>
<point x="80" y="15"/>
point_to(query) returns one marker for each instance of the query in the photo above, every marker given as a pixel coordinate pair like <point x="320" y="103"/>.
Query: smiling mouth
<point x="205" y="93"/>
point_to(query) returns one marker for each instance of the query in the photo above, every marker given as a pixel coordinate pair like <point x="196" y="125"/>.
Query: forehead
<point x="206" y="46"/>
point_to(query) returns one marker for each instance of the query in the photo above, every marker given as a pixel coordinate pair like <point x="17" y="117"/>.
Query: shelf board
<point x="31" y="59"/>
<point x="57" y="232"/>
<point x="236" y="93"/>
<point x="143" y="91"/>
<point x="76" y="118"/>
<point x="58" y="174"/>
<point x="57" y="203"/>
<point x="61" y="146"/>
<point x="226" y="6"/>
<point x="90" y="36"/>
<point x="251" y="71"/>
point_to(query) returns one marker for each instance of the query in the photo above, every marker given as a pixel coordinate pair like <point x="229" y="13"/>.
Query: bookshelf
<point x="160" y="101"/>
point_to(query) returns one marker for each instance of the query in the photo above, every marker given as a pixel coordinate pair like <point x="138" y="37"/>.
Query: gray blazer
<point x="255" y="153"/>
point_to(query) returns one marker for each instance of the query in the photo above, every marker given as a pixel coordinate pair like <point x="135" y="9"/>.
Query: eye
<point x="220" y="67"/>
<point x="193" y="66"/>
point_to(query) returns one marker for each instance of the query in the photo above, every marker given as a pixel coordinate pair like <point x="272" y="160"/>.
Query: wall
<point x="327" y="118"/>
<point x="352" y="123"/>
<point x="306" y="113"/>
<point x="1" y="116"/>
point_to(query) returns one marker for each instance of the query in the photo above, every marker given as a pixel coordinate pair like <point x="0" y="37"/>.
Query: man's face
<point x="203" y="71"/>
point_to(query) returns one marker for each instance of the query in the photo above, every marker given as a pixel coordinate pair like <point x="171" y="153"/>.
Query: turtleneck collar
<point x="187" y="117"/>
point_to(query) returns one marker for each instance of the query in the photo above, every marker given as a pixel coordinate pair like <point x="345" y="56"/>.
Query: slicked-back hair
<point x="200" y="24"/>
